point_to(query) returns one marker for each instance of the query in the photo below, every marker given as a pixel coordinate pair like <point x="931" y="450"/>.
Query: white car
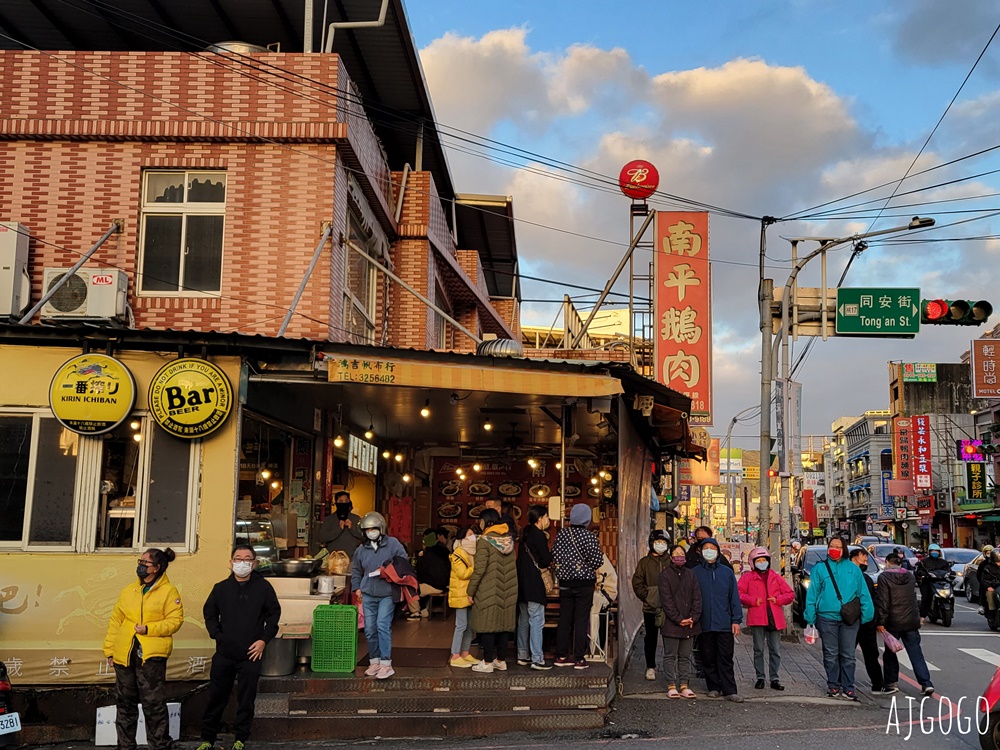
<point x="959" y="557"/>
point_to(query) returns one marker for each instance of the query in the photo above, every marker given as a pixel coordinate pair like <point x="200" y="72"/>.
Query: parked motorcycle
<point x="942" y="596"/>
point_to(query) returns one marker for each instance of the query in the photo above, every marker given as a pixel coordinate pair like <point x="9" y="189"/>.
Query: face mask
<point x="709" y="555"/>
<point x="679" y="559"/>
<point x="373" y="534"/>
<point x="142" y="570"/>
<point x="762" y="565"/>
<point x="242" y="569"/>
<point x="863" y="567"/>
<point x="835" y="554"/>
<point x="935" y="554"/>
<point x="659" y="547"/>
<point x="343" y="511"/>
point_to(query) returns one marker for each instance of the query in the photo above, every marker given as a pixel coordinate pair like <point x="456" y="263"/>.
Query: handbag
<point x="850" y="612"/>
<point x="548" y="580"/>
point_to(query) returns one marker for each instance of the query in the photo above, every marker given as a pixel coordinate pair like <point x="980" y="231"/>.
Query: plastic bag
<point x="892" y="642"/>
<point x="811" y="634"/>
<point x="338" y="563"/>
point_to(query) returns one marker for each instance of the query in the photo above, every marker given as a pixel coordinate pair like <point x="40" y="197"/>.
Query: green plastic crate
<point x="334" y="638"/>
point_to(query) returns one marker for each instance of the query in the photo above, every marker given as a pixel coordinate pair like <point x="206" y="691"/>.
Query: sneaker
<point x="373" y="668"/>
<point x="832" y="693"/>
<point x="385" y="671"/>
<point x="411" y="617"/>
<point x="500" y="666"/>
<point x="581" y="665"/>
<point x="541" y="665"/>
<point x="714" y="693"/>
<point x="889" y="689"/>
<point x="238" y="745"/>
<point x="523" y="662"/>
<point x="563" y="661"/>
<point x="759" y="685"/>
<point x="851" y="695"/>
<point x="206" y="746"/>
<point x="927" y="690"/>
<point x="650" y="674"/>
<point x="424" y="613"/>
<point x="483" y="667"/>
<point x="734" y="698"/>
<point x="471" y="659"/>
<point x="458" y="661"/>
<point x="775" y="685"/>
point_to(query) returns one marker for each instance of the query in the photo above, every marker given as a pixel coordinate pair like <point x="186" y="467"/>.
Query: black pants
<point x="494" y="646"/>
<point x="226" y="670"/>
<point x="650" y="638"/>
<point x="869" y="649"/>
<point x="926" y="595"/>
<point x="575" y="601"/>
<point x="717" y="659"/>
<point x="143" y="683"/>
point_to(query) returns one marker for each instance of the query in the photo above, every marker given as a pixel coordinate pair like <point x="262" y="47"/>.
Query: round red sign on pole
<point x="638" y="179"/>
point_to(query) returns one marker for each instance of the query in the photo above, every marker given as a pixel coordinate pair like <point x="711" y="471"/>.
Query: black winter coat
<point x="896" y="606"/>
<point x="238" y="614"/>
<point x="529" y="581"/>
<point x="929" y="564"/>
<point x="434" y="567"/>
<point x="680" y="598"/>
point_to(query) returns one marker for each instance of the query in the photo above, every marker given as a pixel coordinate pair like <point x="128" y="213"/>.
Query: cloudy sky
<point x="767" y="108"/>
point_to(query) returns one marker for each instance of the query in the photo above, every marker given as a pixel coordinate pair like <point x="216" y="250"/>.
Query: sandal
<point x="672" y="692"/>
<point x="687" y="692"/>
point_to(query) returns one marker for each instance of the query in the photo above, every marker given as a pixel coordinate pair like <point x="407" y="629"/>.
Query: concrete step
<point x="470" y="701"/>
<point x="455" y="724"/>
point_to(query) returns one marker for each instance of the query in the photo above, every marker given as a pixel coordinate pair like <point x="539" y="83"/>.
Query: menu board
<point x="457" y="504"/>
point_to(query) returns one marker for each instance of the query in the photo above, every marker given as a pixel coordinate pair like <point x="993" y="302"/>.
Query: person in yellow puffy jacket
<point x="137" y="644"/>
<point x="459" y="600"/>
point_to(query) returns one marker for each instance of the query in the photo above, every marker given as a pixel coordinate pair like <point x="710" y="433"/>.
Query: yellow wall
<point x="68" y="597"/>
<point x="362" y="489"/>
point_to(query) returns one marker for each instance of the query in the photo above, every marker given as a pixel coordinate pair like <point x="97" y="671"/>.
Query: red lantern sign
<point x="638" y="179"/>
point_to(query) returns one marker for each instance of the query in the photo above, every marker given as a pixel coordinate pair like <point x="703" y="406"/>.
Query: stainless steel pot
<point x="306" y="568"/>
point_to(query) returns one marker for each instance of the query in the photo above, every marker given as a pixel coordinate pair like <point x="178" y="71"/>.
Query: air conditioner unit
<point x="89" y="294"/>
<point x="15" y="286"/>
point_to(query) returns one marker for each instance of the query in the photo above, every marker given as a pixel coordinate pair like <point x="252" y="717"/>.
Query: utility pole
<point x="765" y="291"/>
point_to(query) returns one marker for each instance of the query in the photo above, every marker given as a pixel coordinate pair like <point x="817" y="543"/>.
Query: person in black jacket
<point x="867" y="633"/>
<point x="532" y="558"/>
<point x="896" y="612"/>
<point x="694" y="551"/>
<point x="934" y="561"/>
<point x="577" y="556"/>
<point x="241" y="616"/>
<point x="433" y="570"/>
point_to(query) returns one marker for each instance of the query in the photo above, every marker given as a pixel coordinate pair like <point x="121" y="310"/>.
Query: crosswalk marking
<point x="905" y="661"/>
<point x="983" y="655"/>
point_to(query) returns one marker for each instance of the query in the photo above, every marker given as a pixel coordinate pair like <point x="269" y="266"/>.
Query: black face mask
<point x="864" y="567"/>
<point x="343" y="510"/>
<point x="142" y="571"/>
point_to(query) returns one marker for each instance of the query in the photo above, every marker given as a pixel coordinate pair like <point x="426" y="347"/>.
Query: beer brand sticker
<point x="190" y="398"/>
<point x="92" y="394"/>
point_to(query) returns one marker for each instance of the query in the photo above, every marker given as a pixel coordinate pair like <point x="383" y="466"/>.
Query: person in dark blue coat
<point x="721" y="615"/>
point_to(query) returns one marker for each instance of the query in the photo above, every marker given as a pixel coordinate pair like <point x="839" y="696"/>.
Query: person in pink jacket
<point x="764" y="592"/>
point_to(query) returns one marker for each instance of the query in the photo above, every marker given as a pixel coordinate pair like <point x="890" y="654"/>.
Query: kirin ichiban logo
<point x="190" y="398"/>
<point x="638" y="179"/>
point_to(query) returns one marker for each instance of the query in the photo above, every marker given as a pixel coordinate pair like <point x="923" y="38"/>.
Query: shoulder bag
<point x="850" y="612"/>
<point x="548" y="580"/>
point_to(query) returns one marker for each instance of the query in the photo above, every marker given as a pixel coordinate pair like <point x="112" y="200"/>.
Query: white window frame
<point x="87" y="496"/>
<point x="179" y="209"/>
<point x="350" y="301"/>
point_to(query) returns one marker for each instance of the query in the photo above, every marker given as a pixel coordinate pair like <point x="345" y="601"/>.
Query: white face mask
<point x="659" y="547"/>
<point x="709" y="554"/>
<point x="761" y="564"/>
<point x="242" y="569"/>
<point x="373" y="534"/>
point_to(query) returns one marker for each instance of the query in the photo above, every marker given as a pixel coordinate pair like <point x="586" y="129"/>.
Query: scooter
<point x="992" y="614"/>
<point x="942" y="596"/>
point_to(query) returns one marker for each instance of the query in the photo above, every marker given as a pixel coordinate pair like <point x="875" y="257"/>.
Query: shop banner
<point x="985" y="355"/>
<point x="975" y="497"/>
<point x="738" y="553"/>
<point x="92" y="394"/>
<point x="901" y="448"/>
<point x="702" y="473"/>
<point x="920" y="441"/>
<point x="919" y="372"/>
<point x="683" y="308"/>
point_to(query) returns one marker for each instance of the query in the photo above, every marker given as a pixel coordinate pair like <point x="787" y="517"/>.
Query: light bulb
<point x="458" y="470"/>
<point x="265" y="473"/>
<point x="477" y="467"/>
<point x="594" y="480"/>
<point x="399" y="458"/>
<point x="275" y="484"/>
<point x="426" y="411"/>
<point x="406" y="478"/>
<point x="370" y="432"/>
<point x="338" y="441"/>
<point x="137" y="437"/>
<point x="532" y="463"/>
<point x="487" y="425"/>
<point x="386" y="455"/>
<point x="558" y="465"/>
<point x="134" y="424"/>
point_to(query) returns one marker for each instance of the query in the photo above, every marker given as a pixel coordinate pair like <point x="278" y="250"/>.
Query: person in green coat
<point x="493" y="590"/>
<point x="645" y="584"/>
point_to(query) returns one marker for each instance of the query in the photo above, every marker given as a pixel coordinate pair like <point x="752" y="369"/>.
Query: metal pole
<point x="764" y="506"/>
<point x="789" y="460"/>
<point x="117" y="226"/>
<point x="562" y="462"/>
<point x="614" y="277"/>
<point x="307" y="26"/>
<point x="305" y="279"/>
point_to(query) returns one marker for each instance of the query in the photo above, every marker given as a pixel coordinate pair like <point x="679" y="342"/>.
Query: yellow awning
<point x="403" y="372"/>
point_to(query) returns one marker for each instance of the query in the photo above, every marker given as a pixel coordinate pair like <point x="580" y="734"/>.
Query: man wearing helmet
<point x="933" y="561"/>
<point x="375" y="592"/>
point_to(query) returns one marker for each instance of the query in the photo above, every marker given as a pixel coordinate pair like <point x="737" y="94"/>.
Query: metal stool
<point x="438" y="604"/>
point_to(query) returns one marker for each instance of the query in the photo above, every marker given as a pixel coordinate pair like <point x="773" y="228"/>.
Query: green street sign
<point x="871" y="311"/>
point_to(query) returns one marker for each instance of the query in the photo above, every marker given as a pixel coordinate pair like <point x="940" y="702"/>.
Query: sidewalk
<point x="801" y="673"/>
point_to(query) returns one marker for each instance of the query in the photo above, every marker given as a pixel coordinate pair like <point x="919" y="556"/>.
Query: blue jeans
<point x="530" y="621"/>
<point x="462" y="640"/>
<point x="890" y="662"/>
<point x="840" y="641"/>
<point x="378" y="626"/>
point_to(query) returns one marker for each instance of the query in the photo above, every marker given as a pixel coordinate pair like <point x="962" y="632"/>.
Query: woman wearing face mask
<point x="137" y="644"/>
<point x="645" y="584"/>
<point x="763" y="592"/>
<point x="533" y="557"/>
<point x="493" y="589"/>
<point x="823" y="609"/>
<point x="462" y="559"/>
<point x="680" y="598"/>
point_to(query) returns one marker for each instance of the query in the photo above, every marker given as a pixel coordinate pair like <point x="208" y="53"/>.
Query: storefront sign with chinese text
<point x="976" y="476"/>
<point x="683" y="309"/>
<point x="901" y="448"/>
<point x="190" y="398"/>
<point x="920" y="441"/>
<point x="702" y="473"/>
<point x="985" y="353"/>
<point x="92" y="394"/>
<point x="919" y="372"/>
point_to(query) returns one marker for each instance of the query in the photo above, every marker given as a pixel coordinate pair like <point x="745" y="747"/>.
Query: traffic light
<point x="954" y="312"/>
<point x="772" y="472"/>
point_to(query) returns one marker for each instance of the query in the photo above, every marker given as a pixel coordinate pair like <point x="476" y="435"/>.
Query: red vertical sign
<point x="683" y="309"/>
<point x="920" y="439"/>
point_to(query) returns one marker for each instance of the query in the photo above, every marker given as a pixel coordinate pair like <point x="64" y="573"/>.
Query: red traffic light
<point x="935" y="309"/>
<point x="957" y="312"/>
<point x="772" y="473"/>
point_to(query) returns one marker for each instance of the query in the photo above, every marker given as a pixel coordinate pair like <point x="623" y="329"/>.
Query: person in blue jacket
<point x="823" y="611"/>
<point x="721" y="615"/>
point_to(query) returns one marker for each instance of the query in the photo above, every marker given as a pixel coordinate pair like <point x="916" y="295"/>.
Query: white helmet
<point x="373" y="520"/>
